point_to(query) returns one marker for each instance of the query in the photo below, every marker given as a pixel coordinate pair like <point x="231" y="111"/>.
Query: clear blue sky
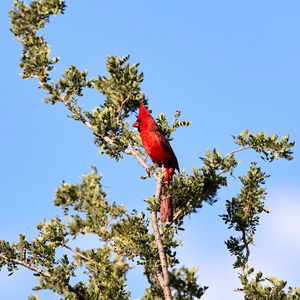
<point x="227" y="65"/>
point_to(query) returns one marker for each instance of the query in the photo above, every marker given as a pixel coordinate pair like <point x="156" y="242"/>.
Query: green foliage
<point x="33" y="297"/>
<point x="213" y="162"/>
<point x="167" y="129"/>
<point x="269" y="146"/>
<point x="190" y="191"/>
<point x="122" y="92"/>
<point x="118" y="135"/>
<point x="59" y="278"/>
<point x="257" y="288"/>
<point x="26" y="20"/>
<point x="71" y="85"/>
<point x="127" y="237"/>
<point x="30" y="18"/>
<point x="131" y="238"/>
<point x="88" y="212"/>
<point x="243" y="213"/>
<point x="122" y="86"/>
<point x="87" y="198"/>
<point x="184" y="283"/>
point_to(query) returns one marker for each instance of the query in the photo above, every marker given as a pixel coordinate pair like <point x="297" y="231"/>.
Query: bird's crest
<point x="144" y="111"/>
<point x="144" y="120"/>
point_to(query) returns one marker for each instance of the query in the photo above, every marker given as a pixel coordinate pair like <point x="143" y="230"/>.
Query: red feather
<point x="160" y="152"/>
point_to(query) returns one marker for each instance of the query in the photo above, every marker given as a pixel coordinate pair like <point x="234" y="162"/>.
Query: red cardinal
<point x="160" y="152"/>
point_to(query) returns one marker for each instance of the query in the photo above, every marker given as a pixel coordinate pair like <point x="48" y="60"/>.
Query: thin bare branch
<point x="86" y="260"/>
<point x="26" y="265"/>
<point x="142" y="162"/>
<point x="78" y="253"/>
<point x="121" y="107"/>
<point x="238" y="150"/>
<point x="244" y="237"/>
<point x="164" y="276"/>
<point x="177" y="215"/>
<point x="41" y="272"/>
<point x="233" y="152"/>
<point x="244" y="268"/>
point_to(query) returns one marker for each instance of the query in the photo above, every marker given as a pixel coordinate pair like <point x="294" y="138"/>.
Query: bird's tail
<point x="166" y="209"/>
<point x="166" y="205"/>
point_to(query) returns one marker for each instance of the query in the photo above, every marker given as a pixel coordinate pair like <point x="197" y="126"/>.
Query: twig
<point x="232" y="152"/>
<point x="178" y="214"/>
<point x="218" y="174"/>
<point x="140" y="160"/>
<point x="120" y="110"/>
<point x="164" y="277"/>
<point x="108" y="222"/>
<point x="86" y="260"/>
<point x="246" y="244"/>
<point x="238" y="150"/>
<point x="78" y="253"/>
<point x="43" y="273"/>
<point x="26" y="265"/>
<point x="244" y="268"/>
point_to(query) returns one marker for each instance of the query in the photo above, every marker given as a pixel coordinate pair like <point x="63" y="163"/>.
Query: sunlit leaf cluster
<point x="270" y="147"/>
<point x="243" y="213"/>
<point x="166" y="128"/>
<point x="184" y="282"/>
<point x="121" y="87"/>
<point x="26" y="20"/>
<point x="267" y="288"/>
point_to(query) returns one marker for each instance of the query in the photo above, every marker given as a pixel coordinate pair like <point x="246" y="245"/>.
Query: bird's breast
<point x="153" y="143"/>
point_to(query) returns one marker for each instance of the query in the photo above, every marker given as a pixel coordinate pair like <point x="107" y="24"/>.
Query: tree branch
<point x="238" y="150"/>
<point x="26" y="265"/>
<point x="85" y="259"/>
<point x="163" y="277"/>
<point x="121" y="107"/>
<point x="41" y="272"/>
<point x="244" y="237"/>
<point x="177" y="215"/>
<point x="140" y="160"/>
<point x="129" y="150"/>
<point x="78" y="253"/>
<point x="233" y="152"/>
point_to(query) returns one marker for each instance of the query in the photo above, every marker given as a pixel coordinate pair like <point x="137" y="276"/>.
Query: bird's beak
<point x="135" y="124"/>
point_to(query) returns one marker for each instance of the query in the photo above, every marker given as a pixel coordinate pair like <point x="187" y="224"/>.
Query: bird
<point x="161" y="153"/>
